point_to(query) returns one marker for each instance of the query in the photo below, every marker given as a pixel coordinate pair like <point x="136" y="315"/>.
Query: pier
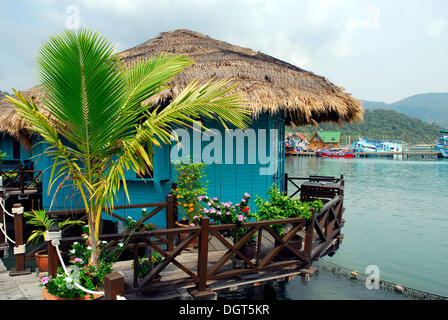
<point x="403" y="155"/>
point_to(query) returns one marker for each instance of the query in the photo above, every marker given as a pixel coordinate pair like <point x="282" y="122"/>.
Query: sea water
<point x="396" y="221"/>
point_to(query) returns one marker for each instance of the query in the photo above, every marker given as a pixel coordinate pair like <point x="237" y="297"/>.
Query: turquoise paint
<point x="6" y="145"/>
<point x="228" y="182"/>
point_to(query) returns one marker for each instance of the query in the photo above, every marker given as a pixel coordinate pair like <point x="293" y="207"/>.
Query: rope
<point x="55" y="243"/>
<point x="387" y="285"/>
<point x="4" y="209"/>
<point x="4" y="231"/>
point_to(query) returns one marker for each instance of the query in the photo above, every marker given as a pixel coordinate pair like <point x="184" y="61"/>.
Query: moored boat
<point x="335" y="153"/>
<point x="442" y="145"/>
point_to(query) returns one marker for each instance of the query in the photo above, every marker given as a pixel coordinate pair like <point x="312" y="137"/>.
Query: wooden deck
<point x="219" y="264"/>
<point x="174" y="283"/>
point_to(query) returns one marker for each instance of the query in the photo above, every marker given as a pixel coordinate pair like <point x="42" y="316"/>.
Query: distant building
<point x="325" y="140"/>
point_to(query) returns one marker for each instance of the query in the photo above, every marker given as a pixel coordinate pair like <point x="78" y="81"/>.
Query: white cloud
<point x="347" y="40"/>
<point x="437" y="27"/>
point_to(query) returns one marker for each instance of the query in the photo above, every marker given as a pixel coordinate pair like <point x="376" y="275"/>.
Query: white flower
<point x="89" y="248"/>
<point x="72" y="251"/>
<point x="68" y="279"/>
<point x="121" y="244"/>
<point x="104" y="242"/>
<point x="85" y="236"/>
<point x="76" y="242"/>
<point x="144" y="209"/>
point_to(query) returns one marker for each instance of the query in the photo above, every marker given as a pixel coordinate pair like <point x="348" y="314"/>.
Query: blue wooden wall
<point x="228" y="182"/>
<point x="6" y="145"/>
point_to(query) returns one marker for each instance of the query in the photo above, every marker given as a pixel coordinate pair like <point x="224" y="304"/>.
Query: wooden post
<point x="170" y="220"/>
<point x="113" y="286"/>
<point x="19" y="248"/>
<point x="53" y="260"/>
<point x="202" y="291"/>
<point x="175" y="207"/>
<point x="21" y="178"/>
<point x="286" y="183"/>
<point x="203" y="254"/>
<point x="341" y="189"/>
<point x="309" y="230"/>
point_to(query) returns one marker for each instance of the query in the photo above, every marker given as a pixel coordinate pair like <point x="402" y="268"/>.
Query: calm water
<point x="396" y="218"/>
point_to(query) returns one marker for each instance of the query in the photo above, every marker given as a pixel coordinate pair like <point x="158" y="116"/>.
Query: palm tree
<point x="95" y="122"/>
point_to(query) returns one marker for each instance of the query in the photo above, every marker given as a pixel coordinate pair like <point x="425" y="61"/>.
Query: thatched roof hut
<point x="267" y="83"/>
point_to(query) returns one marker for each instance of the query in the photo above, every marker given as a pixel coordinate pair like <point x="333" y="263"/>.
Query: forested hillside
<point x="381" y="124"/>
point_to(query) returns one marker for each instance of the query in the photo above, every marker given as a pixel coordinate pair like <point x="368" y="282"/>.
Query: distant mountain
<point x="428" y="107"/>
<point x="381" y="124"/>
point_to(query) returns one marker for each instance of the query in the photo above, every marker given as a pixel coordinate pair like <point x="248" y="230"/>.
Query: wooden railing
<point x="19" y="177"/>
<point x="319" y="235"/>
<point x="169" y="205"/>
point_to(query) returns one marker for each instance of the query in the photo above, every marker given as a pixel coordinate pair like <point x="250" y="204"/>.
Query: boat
<point x="363" y="146"/>
<point x="442" y="145"/>
<point x="335" y="153"/>
<point x="377" y="146"/>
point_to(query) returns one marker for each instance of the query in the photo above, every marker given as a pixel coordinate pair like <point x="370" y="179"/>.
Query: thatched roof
<point x="267" y="83"/>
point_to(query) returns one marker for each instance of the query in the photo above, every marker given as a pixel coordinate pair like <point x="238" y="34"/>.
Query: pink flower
<point x="206" y="210"/>
<point x="212" y="210"/>
<point x="240" y="217"/>
<point x="243" y="200"/>
<point x="215" y="198"/>
<point x="247" y="195"/>
<point x="195" y="217"/>
<point x="192" y="224"/>
<point x="77" y="260"/>
<point x="209" y="204"/>
<point x="200" y="198"/>
<point x="227" y="205"/>
<point x="44" y="280"/>
<point x="218" y="212"/>
<point x="227" y="212"/>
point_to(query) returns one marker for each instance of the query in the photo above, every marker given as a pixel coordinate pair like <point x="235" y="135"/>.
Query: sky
<point x="376" y="50"/>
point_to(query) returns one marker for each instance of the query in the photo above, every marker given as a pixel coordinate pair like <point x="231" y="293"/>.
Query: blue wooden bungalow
<point x="279" y="94"/>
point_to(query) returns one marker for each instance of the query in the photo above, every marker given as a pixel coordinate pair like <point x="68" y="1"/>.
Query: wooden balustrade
<point x="21" y="178"/>
<point x="320" y="235"/>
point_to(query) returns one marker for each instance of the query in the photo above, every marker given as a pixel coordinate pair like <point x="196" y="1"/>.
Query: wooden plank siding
<point x="228" y="182"/>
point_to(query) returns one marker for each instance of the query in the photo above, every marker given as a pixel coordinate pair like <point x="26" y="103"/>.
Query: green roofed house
<point x="325" y="140"/>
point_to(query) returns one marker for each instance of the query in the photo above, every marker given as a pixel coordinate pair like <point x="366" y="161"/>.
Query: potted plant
<point x="189" y="188"/>
<point x="62" y="287"/>
<point x="229" y="213"/>
<point x="39" y="219"/>
<point x="145" y="265"/>
<point x="133" y="225"/>
<point x="280" y="206"/>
